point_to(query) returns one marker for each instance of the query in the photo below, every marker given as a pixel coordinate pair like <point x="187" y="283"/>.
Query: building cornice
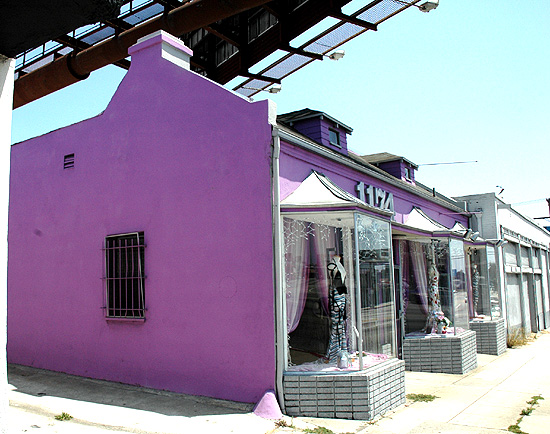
<point x="322" y="151"/>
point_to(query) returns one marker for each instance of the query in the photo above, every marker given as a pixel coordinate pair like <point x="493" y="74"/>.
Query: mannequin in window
<point x="338" y="343"/>
<point x="475" y="287"/>
<point x="437" y="321"/>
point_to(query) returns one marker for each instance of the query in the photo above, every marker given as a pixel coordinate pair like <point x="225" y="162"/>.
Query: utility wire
<point x="453" y="162"/>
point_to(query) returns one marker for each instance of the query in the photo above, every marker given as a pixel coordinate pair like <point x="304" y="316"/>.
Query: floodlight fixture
<point x="497" y="242"/>
<point x="429" y="5"/>
<point x="336" y="55"/>
<point x="276" y="88"/>
<point x="470" y="235"/>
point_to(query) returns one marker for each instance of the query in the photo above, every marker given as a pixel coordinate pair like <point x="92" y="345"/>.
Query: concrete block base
<point x="445" y="354"/>
<point x="490" y="336"/>
<point x="359" y="395"/>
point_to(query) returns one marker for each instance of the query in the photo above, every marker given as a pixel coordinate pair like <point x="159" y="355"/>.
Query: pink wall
<point x="296" y="164"/>
<point x="187" y="162"/>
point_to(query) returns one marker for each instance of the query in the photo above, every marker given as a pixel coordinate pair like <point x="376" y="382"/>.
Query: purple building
<point x="185" y="239"/>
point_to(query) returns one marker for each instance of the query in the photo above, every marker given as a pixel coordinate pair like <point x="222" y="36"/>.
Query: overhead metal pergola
<point x="227" y="38"/>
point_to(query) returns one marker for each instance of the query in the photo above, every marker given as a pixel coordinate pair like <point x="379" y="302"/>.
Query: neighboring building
<point x="238" y="253"/>
<point x="522" y="259"/>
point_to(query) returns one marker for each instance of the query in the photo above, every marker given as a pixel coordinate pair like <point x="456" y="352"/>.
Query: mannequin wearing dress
<point x="475" y="287"/>
<point x="338" y="305"/>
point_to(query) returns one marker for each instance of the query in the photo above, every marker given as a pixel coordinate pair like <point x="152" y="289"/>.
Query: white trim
<point x="279" y="299"/>
<point x="6" y="103"/>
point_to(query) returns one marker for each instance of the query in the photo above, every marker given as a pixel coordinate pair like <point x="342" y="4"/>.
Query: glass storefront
<point x="339" y="291"/>
<point x="492" y="277"/>
<point x="484" y="298"/>
<point x="434" y="286"/>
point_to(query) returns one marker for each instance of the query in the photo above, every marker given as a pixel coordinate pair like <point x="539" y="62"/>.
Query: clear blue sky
<point x="467" y="81"/>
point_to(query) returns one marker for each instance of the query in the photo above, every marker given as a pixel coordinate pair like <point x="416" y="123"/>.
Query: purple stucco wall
<point x="187" y="162"/>
<point x="297" y="163"/>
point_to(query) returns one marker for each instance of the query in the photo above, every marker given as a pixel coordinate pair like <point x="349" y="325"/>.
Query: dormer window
<point x="319" y="127"/>
<point x="408" y="173"/>
<point x="334" y="137"/>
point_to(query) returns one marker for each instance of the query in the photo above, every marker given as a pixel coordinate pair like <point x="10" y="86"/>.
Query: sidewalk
<point x="486" y="400"/>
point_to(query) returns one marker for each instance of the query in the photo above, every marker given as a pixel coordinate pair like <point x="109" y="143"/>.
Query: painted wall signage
<point x="375" y="196"/>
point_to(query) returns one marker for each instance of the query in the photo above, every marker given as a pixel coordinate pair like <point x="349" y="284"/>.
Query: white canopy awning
<point x="459" y="227"/>
<point x="418" y="220"/>
<point x="318" y="191"/>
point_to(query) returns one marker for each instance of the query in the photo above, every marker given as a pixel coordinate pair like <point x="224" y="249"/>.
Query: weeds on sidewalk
<point x="320" y="430"/>
<point x="63" y="416"/>
<point x="525" y="412"/>
<point x="421" y="397"/>
<point x="281" y="423"/>
<point x="516" y="337"/>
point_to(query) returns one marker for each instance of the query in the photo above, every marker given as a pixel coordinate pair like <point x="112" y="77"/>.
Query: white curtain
<point x="420" y="270"/>
<point x="323" y="240"/>
<point x="296" y="269"/>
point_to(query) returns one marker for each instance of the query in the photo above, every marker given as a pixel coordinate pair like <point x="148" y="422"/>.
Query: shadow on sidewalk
<point x="43" y="383"/>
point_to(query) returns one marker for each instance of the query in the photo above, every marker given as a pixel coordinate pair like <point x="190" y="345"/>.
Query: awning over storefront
<point x="420" y="224"/>
<point x="419" y="220"/>
<point x="469" y="235"/>
<point x="318" y="191"/>
<point x="459" y="227"/>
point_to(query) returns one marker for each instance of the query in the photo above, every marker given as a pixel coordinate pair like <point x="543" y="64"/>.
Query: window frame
<point x="337" y="135"/>
<point x="124" y="276"/>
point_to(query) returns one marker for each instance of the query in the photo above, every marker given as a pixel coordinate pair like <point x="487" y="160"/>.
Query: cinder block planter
<point x="444" y="354"/>
<point x="490" y="336"/>
<point x="351" y="395"/>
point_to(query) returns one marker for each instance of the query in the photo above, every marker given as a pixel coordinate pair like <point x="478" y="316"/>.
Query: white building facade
<point x="522" y="256"/>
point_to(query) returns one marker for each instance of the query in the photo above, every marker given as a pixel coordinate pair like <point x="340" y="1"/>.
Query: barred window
<point x="125" y="276"/>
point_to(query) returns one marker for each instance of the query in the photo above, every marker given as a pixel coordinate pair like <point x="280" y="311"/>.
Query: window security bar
<point x="124" y="276"/>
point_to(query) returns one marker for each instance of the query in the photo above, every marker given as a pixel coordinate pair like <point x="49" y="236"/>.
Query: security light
<point x="470" y="235"/>
<point x="336" y="55"/>
<point x="497" y="242"/>
<point x="429" y="5"/>
<point x="276" y="88"/>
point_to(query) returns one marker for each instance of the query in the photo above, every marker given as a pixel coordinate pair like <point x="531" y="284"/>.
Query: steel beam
<point x="73" y="67"/>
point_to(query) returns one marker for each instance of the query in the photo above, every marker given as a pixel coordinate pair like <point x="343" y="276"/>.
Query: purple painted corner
<point x="188" y="163"/>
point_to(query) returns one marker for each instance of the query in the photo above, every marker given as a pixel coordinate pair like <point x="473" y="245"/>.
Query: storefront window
<point x="496" y="310"/>
<point x="326" y="324"/>
<point x="434" y="286"/>
<point x="377" y="304"/>
<point x="484" y="298"/>
<point x="458" y="282"/>
<point x="513" y="301"/>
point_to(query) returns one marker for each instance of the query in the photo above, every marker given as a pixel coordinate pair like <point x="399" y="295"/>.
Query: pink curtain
<point x="296" y="269"/>
<point x="420" y="270"/>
